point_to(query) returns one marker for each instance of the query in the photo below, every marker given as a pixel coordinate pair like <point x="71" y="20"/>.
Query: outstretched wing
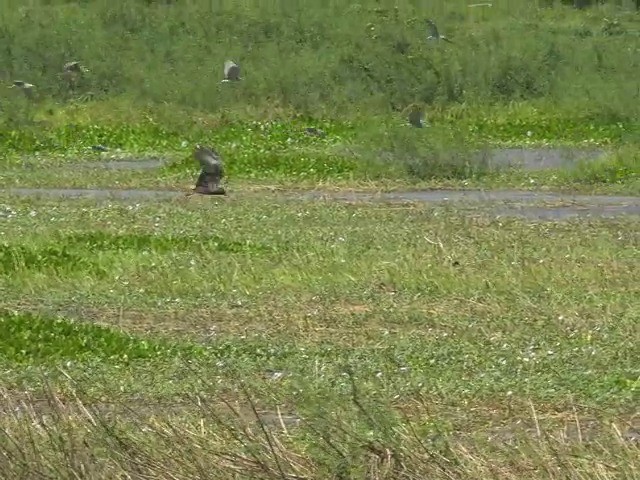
<point x="208" y="183"/>
<point x="210" y="160"/>
<point x="231" y="70"/>
<point x="432" y="30"/>
<point x="72" y="67"/>
<point x="210" y="178"/>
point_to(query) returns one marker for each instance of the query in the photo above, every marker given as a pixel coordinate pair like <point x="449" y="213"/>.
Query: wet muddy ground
<point x="533" y="205"/>
<point x="527" y="204"/>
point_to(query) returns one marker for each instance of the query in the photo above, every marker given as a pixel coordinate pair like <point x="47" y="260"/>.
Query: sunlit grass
<point x="371" y="318"/>
<point x="264" y="336"/>
<point x="513" y="78"/>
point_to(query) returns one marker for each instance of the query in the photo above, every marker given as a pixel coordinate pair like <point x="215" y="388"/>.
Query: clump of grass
<point x="75" y="139"/>
<point x="622" y="166"/>
<point x="69" y="435"/>
<point x="530" y="125"/>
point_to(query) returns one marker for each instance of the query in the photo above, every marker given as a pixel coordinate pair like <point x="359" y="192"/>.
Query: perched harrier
<point x="209" y="181"/>
<point x="433" y="34"/>
<point x="231" y="71"/>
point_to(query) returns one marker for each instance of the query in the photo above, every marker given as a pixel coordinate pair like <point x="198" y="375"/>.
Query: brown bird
<point x="210" y="178"/>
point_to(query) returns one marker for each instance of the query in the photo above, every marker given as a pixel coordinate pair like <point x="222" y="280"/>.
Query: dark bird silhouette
<point x="210" y="179"/>
<point x="416" y="116"/>
<point x="231" y="71"/>
<point x="315" y="132"/>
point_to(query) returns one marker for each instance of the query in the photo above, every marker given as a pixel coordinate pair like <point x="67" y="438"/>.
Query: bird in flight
<point x="231" y="71"/>
<point x="209" y="181"/>
<point x="72" y="73"/>
<point x="71" y="67"/>
<point x="433" y="34"/>
<point x="27" y="88"/>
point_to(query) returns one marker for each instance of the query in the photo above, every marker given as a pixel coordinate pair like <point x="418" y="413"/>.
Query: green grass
<point x="419" y="331"/>
<point x="257" y="337"/>
<point x="518" y="74"/>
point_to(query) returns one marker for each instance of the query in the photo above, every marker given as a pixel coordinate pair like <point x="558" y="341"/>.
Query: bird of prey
<point x="72" y="73"/>
<point x="27" y="88"/>
<point x="433" y="34"/>
<point x="209" y="181"/>
<point x="76" y="67"/>
<point x="231" y="71"/>
<point x="415" y="117"/>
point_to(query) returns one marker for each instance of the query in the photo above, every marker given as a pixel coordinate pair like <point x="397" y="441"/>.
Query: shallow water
<point x="510" y="202"/>
<point x="515" y="196"/>
<point x="541" y="158"/>
<point x="565" y="213"/>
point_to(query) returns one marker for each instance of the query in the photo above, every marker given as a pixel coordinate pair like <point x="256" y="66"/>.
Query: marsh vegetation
<point x="256" y="336"/>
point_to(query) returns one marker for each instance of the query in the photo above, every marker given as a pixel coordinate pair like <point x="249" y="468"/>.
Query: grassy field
<point x="272" y="337"/>
<point x="390" y="341"/>
<point x="519" y="73"/>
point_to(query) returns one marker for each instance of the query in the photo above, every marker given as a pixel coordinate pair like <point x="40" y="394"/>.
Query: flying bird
<point x="231" y="71"/>
<point x="27" y="88"/>
<point x="210" y="178"/>
<point x="72" y="73"/>
<point x="433" y="34"/>
<point x="21" y="84"/>
<point x="74" y="67"/>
